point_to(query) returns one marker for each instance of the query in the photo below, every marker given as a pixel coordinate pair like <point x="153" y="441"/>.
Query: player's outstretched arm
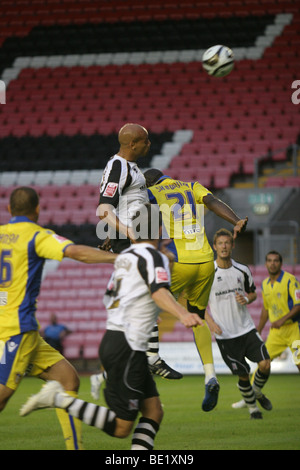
<point x="225" y="212"/>
<point x="88" y="254"/>
<point x="166" y="302"/>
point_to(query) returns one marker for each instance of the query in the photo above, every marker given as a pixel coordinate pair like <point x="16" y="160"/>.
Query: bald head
<point x="131" y="132"/>
<point x="134" y="141"/>
<point x="24" y="201"/>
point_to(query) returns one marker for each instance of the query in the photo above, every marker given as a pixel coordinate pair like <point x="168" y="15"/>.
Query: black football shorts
<point x="235" y="351"/>
<point x="129" y="380"/>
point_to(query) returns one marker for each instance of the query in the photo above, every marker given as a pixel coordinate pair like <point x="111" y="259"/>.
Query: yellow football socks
<point x="203" y="343"/>
<point x="71" y="428"/>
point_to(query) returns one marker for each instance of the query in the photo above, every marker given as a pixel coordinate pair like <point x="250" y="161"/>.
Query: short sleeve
<point x="49" y="245"/>
<point x="199" y="192"/>
<point x="116" y="178"/>
<point x="249" y="283"/>
<point x="154" y="270"/>
<point x="294" y="291"/>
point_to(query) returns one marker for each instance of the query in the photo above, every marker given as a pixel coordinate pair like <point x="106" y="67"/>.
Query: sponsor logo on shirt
<point x="59" y="238"/>
<point x="161" y="275"/>
<point x="297" y="294"/>
<point x="3" y="298"/>
<point x="111" y="189"/>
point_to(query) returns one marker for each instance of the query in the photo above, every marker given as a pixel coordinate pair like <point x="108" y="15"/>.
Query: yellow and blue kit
<point x="182" y="208"/>
<point x="279" y="298"/>
<point x="24" y="247"/>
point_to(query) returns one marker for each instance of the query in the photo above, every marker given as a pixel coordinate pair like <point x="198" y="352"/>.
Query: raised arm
<point x="225" y="212"/>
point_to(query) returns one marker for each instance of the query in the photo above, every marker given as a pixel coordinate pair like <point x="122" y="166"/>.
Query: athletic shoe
<point x="96" y="382"/>
<point x="239" y="404"/>
<point x="211" y="395"/>
<point x="256" y="415"/>
<point x="264" y="402"/>
<point x="44" y="398"/>
<point x="163" y="370"/>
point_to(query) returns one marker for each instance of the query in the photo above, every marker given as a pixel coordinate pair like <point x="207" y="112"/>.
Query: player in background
<point x="137" y="292"/>
<point x="24" y="247"/>
<point x="232" y="290"/>
<point x="281" y="297"/>
<point x="122" y="189"/>
<point x="281" y="306"/>
<point x="182" y="205"/>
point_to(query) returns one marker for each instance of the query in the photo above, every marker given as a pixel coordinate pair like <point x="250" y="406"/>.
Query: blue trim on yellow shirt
<point x="171" y="247"/>
<point x="279" y="279"/>
<point x="27" y="308"/>
<point x="20" y="218"/>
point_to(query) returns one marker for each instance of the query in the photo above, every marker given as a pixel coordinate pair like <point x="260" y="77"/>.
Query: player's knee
<point x="65" y="374"/>
<point x="72" y="382"/>
<point x="152" y="409"/>
<point x="123" y="428"/>
<point x="265" y="366"/>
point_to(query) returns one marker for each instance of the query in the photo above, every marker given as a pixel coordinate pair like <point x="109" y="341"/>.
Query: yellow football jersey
<point x="182" y="209"/>
<point x="279" y="298"/>
<point x="24" y="247"/>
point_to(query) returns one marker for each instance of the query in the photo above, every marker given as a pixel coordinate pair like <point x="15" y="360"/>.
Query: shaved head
<point x="131" y="133"/>
<point x="134" y="141"/>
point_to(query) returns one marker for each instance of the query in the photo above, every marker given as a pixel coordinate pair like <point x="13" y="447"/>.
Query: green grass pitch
<point x="185" y="426"/>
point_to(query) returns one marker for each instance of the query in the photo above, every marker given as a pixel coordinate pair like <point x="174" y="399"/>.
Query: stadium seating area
<point x="76" y="71"/>
<point x="75" y="292"/>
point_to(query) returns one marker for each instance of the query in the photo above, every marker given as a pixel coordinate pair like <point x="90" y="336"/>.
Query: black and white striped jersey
<point x="123" y="186"/>
<point x="139" y="272"/>
<point x="234" y="319"/>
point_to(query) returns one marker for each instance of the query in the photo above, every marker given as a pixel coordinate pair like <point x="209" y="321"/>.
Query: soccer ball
<point x="218" y="61"/>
